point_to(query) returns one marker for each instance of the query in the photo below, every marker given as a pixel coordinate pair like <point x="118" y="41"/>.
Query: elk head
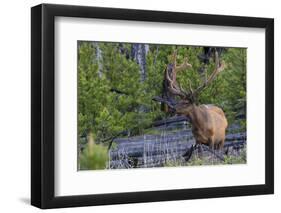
<point x="188" y="97"/>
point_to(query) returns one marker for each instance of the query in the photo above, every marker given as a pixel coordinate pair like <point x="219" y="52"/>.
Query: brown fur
<point x="208" y="123"/>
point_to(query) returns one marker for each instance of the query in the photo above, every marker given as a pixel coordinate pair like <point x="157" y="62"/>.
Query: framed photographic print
<point x="139" y="106"/>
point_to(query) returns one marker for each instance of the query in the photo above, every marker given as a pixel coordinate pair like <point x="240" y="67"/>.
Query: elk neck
<point x="196" y="115"/>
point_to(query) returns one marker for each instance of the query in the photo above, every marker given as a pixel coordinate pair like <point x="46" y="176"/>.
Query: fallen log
<point x="170" y="120"/>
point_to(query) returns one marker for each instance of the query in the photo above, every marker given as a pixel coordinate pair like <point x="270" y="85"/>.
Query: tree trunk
<point x="139" y="53"/>
<point x="98" y="57"/>
<point x="91" y="142"/>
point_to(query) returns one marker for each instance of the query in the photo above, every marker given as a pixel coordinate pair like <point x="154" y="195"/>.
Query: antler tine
<point x="174" y="87"/>
<point x="190" y="87"/>
<point x="183" y="66"/>
<point x="218" y="68"/>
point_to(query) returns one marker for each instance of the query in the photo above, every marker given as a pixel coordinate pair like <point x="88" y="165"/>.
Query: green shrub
<point x="95" y="157"/>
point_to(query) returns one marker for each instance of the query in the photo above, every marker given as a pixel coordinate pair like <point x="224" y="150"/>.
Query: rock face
<point x="170" y="142"/>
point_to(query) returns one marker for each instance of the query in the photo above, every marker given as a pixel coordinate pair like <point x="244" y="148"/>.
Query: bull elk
<point x="208" y="121"/>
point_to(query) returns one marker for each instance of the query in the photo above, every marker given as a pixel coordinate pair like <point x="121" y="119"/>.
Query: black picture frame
<point x="43" y="105"/>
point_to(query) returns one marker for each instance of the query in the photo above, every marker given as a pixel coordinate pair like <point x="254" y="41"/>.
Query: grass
<point x="197" y="160"/>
